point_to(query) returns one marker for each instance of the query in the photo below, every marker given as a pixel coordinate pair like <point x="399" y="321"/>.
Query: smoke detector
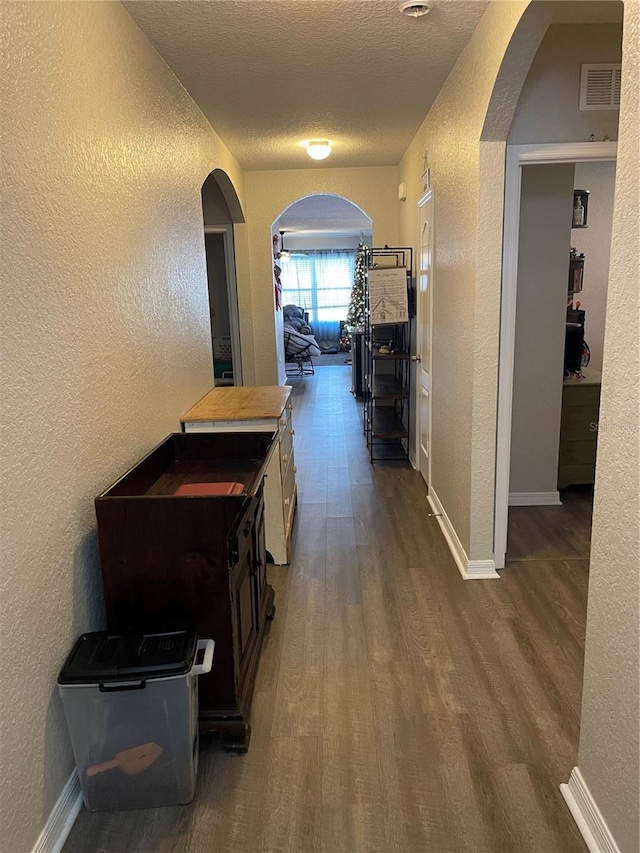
<point x="414" y="9"/>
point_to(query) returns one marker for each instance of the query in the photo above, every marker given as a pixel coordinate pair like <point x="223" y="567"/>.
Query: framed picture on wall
<point x="388" y="295"/>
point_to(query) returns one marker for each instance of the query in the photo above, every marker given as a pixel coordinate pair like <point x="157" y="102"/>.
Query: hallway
<point x="398" y="708"/>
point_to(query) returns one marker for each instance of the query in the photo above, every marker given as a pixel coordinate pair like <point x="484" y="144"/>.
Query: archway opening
<point x="315" y="242"/>
<point x="221" y="209"/>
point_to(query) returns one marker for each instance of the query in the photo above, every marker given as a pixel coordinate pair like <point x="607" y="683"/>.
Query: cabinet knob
<point x="293" y="432"/>
<point x="416" y="358"/>
<point x="285" y="457"/>
<point x="295" y="469"/>
<point x="287" y="501"/>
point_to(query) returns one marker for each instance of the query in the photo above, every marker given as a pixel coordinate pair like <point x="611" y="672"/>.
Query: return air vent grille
<point x="600" y="86"/>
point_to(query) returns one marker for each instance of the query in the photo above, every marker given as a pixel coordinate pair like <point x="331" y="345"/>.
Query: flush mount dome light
<point x="319" y="149"/>
<point x="414" y="9"/>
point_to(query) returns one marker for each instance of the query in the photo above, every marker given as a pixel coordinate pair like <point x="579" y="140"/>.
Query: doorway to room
<point x="547" y="425"/>
<point x="221" y="210"/>
<point x="315" y="242"/>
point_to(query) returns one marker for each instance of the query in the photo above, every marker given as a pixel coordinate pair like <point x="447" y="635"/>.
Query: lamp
<point x="319" y="149"/>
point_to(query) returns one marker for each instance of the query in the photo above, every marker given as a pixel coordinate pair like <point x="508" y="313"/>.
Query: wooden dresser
<point x="258" y="408"/>
<point x="172" y="560"/>
<point x="579" y="430"/>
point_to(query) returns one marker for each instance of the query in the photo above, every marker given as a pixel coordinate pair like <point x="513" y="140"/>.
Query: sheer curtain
<point x="320" y="282"/>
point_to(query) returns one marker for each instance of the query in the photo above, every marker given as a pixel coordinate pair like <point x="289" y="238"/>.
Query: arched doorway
<point x="221" y="209"/>
<point x="320" y="234"/>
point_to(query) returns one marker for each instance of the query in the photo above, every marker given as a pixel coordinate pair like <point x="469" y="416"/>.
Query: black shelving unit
<point x="387" y="361"/>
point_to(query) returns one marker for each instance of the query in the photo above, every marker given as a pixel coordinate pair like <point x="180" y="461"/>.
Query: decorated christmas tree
<point x="355" y="314"/>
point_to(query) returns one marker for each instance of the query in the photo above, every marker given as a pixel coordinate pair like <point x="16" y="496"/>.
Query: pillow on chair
<point x="297" y="345"/>
<point x="295" y="317"/>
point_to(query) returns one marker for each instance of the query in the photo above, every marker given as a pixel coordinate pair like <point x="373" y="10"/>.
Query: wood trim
<point x="469" y="569"/>
<point x="535" y="498"/>
<point x="588" y="817"/>
<point x="61" y="819"/>
<point x="518" y="156"/>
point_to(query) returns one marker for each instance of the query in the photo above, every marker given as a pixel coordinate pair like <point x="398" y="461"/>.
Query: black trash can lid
<point x="102" y="656"/>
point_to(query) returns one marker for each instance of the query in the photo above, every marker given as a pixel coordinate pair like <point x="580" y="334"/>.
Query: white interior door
<point x="424" y="300"/>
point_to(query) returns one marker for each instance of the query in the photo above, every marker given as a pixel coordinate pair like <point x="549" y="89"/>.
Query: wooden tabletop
<point x="245" y="403"/>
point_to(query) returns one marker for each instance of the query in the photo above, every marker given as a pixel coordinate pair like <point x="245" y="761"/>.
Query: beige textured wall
<point x="543" y="264"/>
<point x="609" y="748"/>
<point x="464" y="136"/>
<point x="556" y="69"/>
<point x="595" y="242"/>
<point x="268" y="194"/>
<point x="466" y="310"/>
<point x="105" y="336"/>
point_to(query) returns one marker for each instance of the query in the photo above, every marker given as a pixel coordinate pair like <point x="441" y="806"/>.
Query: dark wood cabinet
<point x="172" y="560"/>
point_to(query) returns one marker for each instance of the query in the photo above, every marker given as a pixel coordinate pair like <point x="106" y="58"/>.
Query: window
<point x="321" y="283"/>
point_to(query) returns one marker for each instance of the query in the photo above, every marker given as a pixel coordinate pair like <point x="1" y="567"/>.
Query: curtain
<point x="321" y="283"/>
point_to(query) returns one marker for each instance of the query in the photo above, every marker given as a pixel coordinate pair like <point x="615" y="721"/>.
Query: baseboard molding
<point x="60" y="821"/>
<point x="588" y="817"/>
<point x="469" y="569"/>
<point x="535" y="498"/>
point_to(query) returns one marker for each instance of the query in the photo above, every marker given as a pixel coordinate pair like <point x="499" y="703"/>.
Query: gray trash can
<point x="131" y="703"/>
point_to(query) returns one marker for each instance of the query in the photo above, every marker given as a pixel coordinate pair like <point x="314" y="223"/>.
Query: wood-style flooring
<point x="552" y="532"/>
<point x="398" y="708"/>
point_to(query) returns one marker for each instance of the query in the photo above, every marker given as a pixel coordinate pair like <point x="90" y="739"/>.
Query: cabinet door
<point x="242" y="581"/>
<point x="260" y="563"/>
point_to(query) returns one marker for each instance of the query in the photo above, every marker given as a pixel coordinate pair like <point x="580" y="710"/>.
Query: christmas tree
<point x="355" y="314"/>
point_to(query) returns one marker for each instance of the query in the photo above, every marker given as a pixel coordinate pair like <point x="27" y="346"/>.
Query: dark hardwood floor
<point x="398" y="708"/>
<point x="552" y="532"/>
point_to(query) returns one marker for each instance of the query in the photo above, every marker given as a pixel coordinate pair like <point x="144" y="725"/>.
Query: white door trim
<point x="517" y="157"/>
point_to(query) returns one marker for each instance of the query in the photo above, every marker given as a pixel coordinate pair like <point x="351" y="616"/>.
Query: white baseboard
<point x="63" y="815"/>
<point x="535" y="498"/>
<point x="469" y="569"/>
<point x="588" y="817"/>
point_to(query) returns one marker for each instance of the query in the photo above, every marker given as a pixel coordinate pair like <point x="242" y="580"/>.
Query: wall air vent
<point x="600" y="86"/>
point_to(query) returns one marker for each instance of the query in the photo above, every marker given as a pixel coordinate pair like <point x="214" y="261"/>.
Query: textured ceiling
<point x="325" y="213"/>
<point x="270" y="74"/>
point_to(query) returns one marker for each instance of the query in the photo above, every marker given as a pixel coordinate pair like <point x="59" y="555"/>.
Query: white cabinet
<point x="258" y="409"/>
<point x="280" y="493"/>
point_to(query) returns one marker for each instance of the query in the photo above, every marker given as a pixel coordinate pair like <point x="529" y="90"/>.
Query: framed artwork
<point x="388" y="295"/>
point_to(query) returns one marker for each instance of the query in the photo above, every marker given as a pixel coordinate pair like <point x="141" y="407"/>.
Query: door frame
<point x="232" y="297"/>
<point x="517" y="157"/>
<point x="426" y="198"/>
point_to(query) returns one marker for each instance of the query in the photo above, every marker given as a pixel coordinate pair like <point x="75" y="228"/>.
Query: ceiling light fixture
<point x="319" y="149"/>
<point x="284" y="253"/>
<point x="414" y="9"/>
